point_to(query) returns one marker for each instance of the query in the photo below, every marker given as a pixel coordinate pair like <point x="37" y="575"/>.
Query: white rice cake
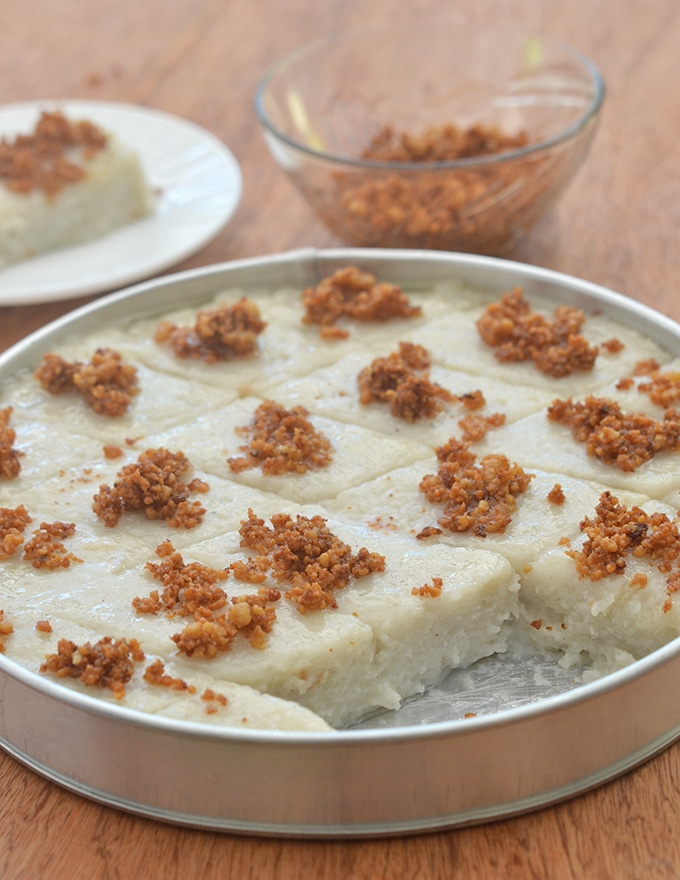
<point x="384" y="642"/>
<point x="608" y="622"/>
<point x="148" y="412"/>
<point x="112" y="193"/>
<point x="234" y="705"/>
<point x="454" y="341"/>
<point x="537" y="524"/>
<point x="537" y="442"/>
<point x="358" y="454"/>
<point x="338" y="664"/>
<point x="333" y="391"/>
<point x="69" y="496"/>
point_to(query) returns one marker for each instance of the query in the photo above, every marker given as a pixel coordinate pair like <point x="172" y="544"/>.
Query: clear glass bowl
<point x="322" y="106"/>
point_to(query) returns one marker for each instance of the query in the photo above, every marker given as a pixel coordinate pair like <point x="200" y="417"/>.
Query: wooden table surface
<point x="618" y="225"/>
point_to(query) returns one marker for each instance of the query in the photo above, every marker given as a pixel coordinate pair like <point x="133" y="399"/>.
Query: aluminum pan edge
<point x="347" y="783"/>
<point x="308" y="265"/>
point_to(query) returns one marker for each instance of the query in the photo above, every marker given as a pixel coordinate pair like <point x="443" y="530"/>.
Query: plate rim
<point x="27" y="294"/>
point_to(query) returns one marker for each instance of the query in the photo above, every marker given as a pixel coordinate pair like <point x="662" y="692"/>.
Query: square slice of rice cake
<point x="42" y="209"/>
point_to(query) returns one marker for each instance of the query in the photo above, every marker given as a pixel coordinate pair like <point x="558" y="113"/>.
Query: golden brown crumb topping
<point x="431" y="590"/>
<point x="214" y="701"/>
<point x="6" y="629"/>
<point x="187" y="587"/>
<point x="10" y="466"/>
<point x="432" y="208"/>
<point x="617" y="532"/>
<point x="13" y="522"/>
<point x="251" y="571"/>
<point x="351" y="293"/>
<point x="281" y="442"/>
<point x="206" y="637"/>
<point x="612" y="346"/>
<point x="106" y="382"/>
<point x="556" y="347"/>
<point x="472" y="400"/>
<point x="154" y="485"/>
<point x="47" y="159"/>
<point x="155" y="674"/>
<point x="45" y="549"/>
<point x="556" y="495"/>
<point x="476" y="427"/>
<point x="43" y="626"/>
<point x="626" y="440"/>
<point x="221" y="334"/>
<point x="108" y="663"/>
<point x="401" y="379"/>
<point x="476" y="497"/>
<point x="306" y="554"/>
<point x="428" y="532"/>
<point x="663" y="389"/>
<point x="193" y="590"/>
<point x="251" y="616"/>
<point x="646" y="368"/>
<point x="111" y="451"/>
<point x="441" y="143"/>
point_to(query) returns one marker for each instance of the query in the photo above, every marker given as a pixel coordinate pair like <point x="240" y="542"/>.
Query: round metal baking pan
<point x="537" y="741"/>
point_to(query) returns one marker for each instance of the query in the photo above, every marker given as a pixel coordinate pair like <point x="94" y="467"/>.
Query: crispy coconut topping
<point x="477" y="497"/>
<point x="441" y="143"/>
<point x="222" y="334"/>
<point x="6" y="629"/>
<point x="10" y="466"/>
<point x="108" y="663"/>
<point x="351" y="293"/>
<point x="612" y="346"/>
<point x="401" y="379"/>
<point x="281" y="442"/>
<point x="214" y="701"/>
<point x="617" y="533"/>
<point x="648" y="367"/>
<point x="46" y="550"/>
<point x="193" y="590"/>
<point x="154" y="485"/>
<point x="430" y="207"/>
<point x="106" y="382"/>
<point x="663" y="389"/>
<point x="556" y="495"/>
<point x="306" y="554"/>
<point x="187" y="587"/>
<point x="49" y="158"/>
<point x="431" y="590"/>
<point x="251" y="616"/>
<point x="626" y="440"/>
<point x="518" y="334"/>
<point x="476" y="427"/>
<point x="13" y="522"/>
<point x="155" y="674"/>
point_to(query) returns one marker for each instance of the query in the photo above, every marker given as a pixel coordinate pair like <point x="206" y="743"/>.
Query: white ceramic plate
<point x="197" y="182"/>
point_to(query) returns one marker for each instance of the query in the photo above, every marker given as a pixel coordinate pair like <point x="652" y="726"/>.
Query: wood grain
<point x="618" y="225"/>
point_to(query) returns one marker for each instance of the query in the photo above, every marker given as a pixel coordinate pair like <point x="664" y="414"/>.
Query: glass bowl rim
<point x="588" y="115"/>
